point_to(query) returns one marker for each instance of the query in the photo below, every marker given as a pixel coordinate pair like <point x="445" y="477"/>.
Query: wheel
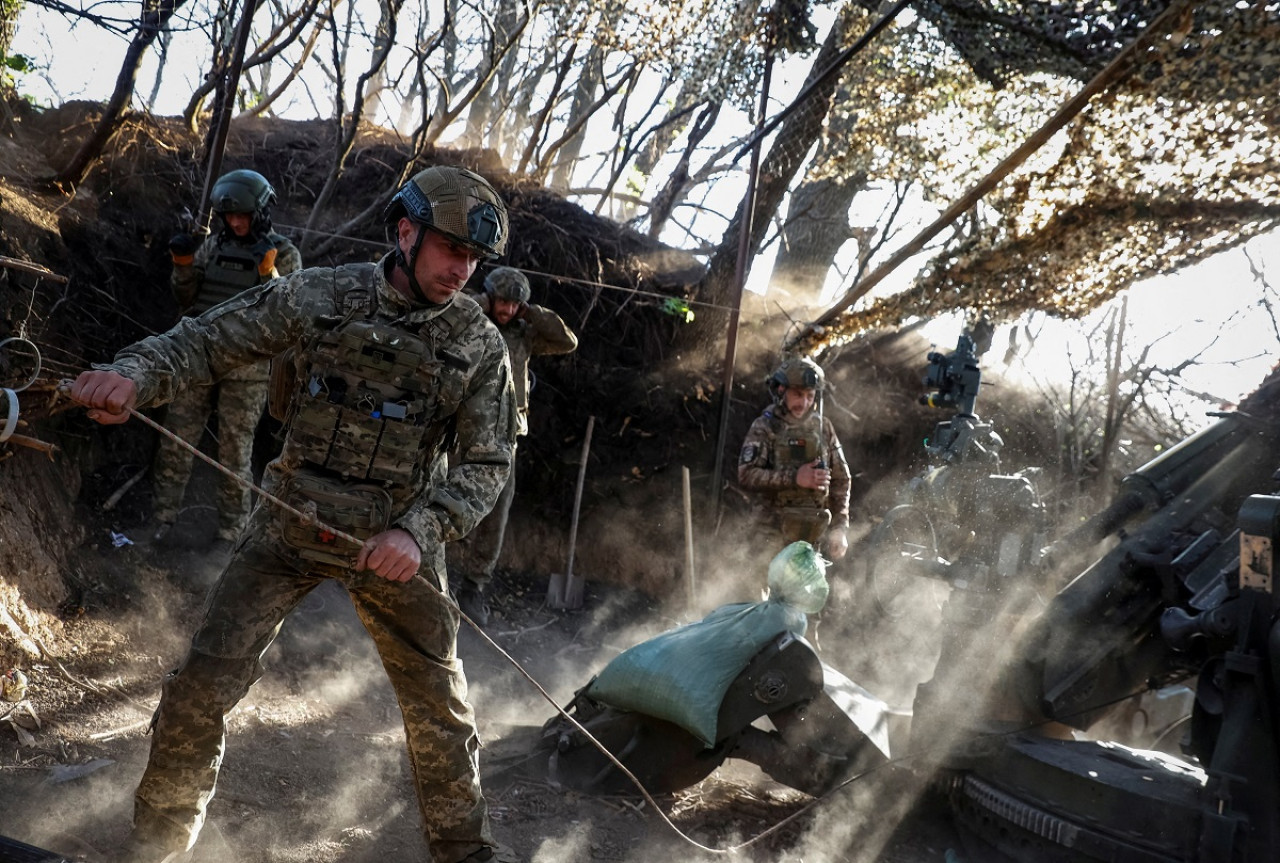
<point x="896" y="555"/>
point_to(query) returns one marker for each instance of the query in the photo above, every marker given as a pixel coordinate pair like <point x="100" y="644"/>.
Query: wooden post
<point x="565" y="589"/>
<point x="691" y="593"/>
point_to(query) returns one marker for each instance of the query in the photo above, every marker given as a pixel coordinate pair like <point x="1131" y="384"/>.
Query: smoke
<point x="575" y="844"/>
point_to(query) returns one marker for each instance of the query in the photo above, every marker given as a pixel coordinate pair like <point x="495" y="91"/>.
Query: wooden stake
<point x="691" y="593"/>
<point x="565" y="589"/>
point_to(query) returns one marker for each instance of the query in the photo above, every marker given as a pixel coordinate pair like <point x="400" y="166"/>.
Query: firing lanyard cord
<point x="551" y="276"/>
<point x="309" y="518"/>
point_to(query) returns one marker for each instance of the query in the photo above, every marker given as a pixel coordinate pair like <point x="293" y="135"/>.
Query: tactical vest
<point x="376" y="402"/>
<point x="796" y="444"/>
<point x="232" y="267"/>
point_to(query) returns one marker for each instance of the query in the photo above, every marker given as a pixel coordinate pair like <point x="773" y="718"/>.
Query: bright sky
<point x="1212" y="307"/>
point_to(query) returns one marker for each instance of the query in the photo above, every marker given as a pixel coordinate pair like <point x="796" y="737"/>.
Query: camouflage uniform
<point x="775" y="447"/>
<point x="465" y="378"/>
<point x="222" y="269"/>
<point x="538" y="332"/>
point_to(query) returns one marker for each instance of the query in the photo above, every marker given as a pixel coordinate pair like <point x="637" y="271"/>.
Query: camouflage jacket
<point x="538" y="332"/>
<point x="766" y="472"/>
<point x="195" y="294"/>
<point x="290" y="312"/>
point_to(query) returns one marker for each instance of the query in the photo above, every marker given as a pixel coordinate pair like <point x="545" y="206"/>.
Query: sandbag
<point x="797" y="577"/>
<point x="682" y="675"/>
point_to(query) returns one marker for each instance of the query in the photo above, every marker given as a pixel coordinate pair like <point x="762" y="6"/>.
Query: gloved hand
<point x="182" y="248"/>
<point x="267" y="263"/>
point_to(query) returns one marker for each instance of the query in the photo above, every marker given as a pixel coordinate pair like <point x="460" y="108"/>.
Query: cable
<point x="553" y="276"/>
<point x="309" y="517"/>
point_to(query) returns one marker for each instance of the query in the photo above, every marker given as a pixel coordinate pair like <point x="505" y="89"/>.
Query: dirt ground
<point x="315" y="768"/>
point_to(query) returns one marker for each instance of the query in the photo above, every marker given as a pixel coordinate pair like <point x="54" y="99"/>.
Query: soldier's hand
<point x="837" y="543"/>
<point x="814" y="477"/>
<point x="108" y="395"/>
<point x="182" y="247"/>
<point x="392" y="554"/>
<point x="267" y="263"/>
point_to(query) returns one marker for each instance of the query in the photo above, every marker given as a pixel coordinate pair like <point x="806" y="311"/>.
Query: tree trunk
<point x="154" y="18"/>
<point x="9" y="12"/>
<point x="507" y="27"/>
<point x="584" y="95"/>
<point x="817" y="226"/>
<point x="349" y="128"/>
<point x="678" y="182"/>
<point x="795" y="137"/>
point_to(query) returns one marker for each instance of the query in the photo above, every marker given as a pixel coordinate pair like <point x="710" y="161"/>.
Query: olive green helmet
<point x="507" y="283"/>
<point x="244" y="191"/>
<point x="800" y="372"/>
<point x="455" y="202"/>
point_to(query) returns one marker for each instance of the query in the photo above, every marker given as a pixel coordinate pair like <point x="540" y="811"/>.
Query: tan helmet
<point x="507" y="283"/>
<point x="455" y="202"/>
<point x="800" y="372"/>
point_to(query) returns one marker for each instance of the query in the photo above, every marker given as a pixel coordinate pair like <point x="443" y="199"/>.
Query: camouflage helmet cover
<point x="242" y="191"/>
<point x="507" y="283"/>
<point x="800" y="372"/>
<point x="455" y="202"/>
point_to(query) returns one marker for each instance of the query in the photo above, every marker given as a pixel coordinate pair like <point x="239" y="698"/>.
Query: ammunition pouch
<point x="373" y="403"/>
<point x="803" y="523"/>
<point x="360" y="510"/>
<point x="283" y="385"/>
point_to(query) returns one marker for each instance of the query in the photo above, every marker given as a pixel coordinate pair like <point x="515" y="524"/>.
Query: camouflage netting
<point x="1176" y="162"/>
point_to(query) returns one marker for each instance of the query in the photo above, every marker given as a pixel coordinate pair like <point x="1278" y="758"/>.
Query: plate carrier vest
<point x="372" y="407"/>
<point x="793" y="445"/>
<point x="376" y="401"/>
<point x="232" y="267"/>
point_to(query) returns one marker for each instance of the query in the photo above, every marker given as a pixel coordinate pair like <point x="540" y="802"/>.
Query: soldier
<point x="393" y="365"/>
<point x="243" y="253"/>
<point x="529" y="331"/>
<point x="792" y="464"/>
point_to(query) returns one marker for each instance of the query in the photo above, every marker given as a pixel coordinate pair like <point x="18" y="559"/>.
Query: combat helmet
<point x="507" y="283"/>
<point x="799" y="372"/>
<point x="455" y="202"/>
<point x="244" y="191"/>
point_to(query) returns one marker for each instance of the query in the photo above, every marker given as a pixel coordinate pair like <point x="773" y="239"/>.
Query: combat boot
<point x="136" y="850"/>
<point x="473" y="604"/>
<point x="161" y="534"/>
<point x="491" y="854"/>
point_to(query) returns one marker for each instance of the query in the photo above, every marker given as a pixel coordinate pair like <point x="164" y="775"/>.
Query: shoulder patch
<point x="749" y="453"/>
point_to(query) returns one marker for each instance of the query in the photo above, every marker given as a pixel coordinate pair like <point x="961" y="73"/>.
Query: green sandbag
<point x="682" y="675"/>
<point x="796" y="577"/>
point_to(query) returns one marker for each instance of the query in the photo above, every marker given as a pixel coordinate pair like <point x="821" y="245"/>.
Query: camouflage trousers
<point x="776" y="528"/>
<point x="239" y="399"/>
<point x="487" y="537"/>
<point x="415" y="631"/>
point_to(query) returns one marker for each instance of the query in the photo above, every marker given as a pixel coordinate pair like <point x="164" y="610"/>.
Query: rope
<point x="306" y="517"/>
<point x="309" y="518"/>
<point x="553" y="276"/>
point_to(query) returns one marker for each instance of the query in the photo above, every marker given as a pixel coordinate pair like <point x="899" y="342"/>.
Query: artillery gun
<point x="1174" y="581"/>
<point x="1182" y="590"/>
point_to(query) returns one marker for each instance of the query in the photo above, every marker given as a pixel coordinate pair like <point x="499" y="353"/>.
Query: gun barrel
<point x="1160" y="480"/>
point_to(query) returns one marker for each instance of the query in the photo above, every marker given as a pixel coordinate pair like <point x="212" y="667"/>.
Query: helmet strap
<point x="406" y="263"/>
